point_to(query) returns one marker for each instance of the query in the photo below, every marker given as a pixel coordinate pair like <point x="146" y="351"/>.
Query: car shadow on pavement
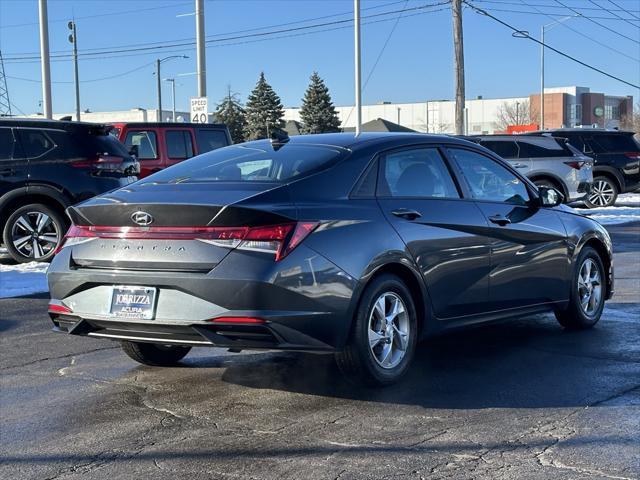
<point x="529" y="363"/>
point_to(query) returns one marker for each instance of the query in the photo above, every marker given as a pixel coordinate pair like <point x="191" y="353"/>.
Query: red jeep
<point x="160" y="145"/>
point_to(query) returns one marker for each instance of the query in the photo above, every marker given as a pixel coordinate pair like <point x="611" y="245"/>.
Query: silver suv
<point x="547" y="161"/>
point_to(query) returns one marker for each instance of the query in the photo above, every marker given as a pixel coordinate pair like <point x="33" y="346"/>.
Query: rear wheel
<point x="155" y="355"/>
<point x="588" y="291"/>
<point x="383" y="339"/>
<point x="33" y="232"/>
<point x="604" y="193"/>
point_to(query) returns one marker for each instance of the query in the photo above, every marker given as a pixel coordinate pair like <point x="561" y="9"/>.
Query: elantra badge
<point x="142" y="218"/>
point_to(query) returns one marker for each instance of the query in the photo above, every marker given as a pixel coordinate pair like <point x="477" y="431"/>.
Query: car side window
<point x="179" y="145"/>
<point x="146" y="141"/>
<point x="488" y="180"/>
<point x="209" y="139"/>
<point x="7" y="144"/>
<point x="416" y="172"/>
<point x="540" y="148"/>
<point x="504" y="148"/>
<point x="35" y="143"/>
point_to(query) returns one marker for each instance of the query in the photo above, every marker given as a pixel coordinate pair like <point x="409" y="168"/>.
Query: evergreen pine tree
<point x="264" y="111"/>
<point x="231" y="113"/>
<point x="317" y="113"/>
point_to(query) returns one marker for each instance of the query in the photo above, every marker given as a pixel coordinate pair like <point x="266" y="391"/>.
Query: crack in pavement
<point x="40" y="360"/>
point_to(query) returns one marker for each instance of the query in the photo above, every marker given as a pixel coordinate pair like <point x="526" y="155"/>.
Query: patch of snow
<point x="626" y="209"/>
<point x="627" y="198"/>
<point x="23" y="279"/>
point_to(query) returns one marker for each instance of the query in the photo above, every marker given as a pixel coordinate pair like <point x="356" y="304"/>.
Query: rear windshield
<point x="252" y="163"/>
<point x="101" y="144"/>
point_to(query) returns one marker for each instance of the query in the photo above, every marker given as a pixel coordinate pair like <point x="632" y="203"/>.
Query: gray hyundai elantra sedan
<point x="355" y="246"/>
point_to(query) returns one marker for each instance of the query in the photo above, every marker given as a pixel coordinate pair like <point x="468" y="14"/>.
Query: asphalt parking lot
<point x="522" y="399"/>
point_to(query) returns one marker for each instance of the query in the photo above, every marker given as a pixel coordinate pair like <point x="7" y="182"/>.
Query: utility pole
<point x="159" y="86"/>
<point x="5" y="103"/>
<point x="44" y="58"/>
<point x="358" y="79"/>
<point x="200" y="51"/>
<point x="542" y="78"/>
<point x="458" y="46"/>
<point x="73" y="38"/>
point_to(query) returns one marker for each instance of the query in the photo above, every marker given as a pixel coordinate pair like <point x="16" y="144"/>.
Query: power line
<point x="614" y="14"/>
<point x="578" y="32"/>
<point x="545" y="45"/>
<point x="600" y="24"/>
<point x="627" y="11"/>
<point x="552" y="14"/>
<point x="213" y="36"/>
<point x="231" y="38"/>
<point x="546" y="5"/>
<point x="110" y="77"/>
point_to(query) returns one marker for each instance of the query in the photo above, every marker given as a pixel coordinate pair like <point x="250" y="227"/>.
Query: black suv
<point x="617" y="161"/>
<point x="46" y="166"/>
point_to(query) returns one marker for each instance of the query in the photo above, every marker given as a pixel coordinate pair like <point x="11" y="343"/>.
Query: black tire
<point x="575" y="317"/>
<point x="358" y="361"/>
<point x="604" y="193"/>
<point x="15" y="231"/>
<point x="155" y="355"/>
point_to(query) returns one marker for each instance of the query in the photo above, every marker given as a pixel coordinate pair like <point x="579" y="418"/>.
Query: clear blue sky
<point x="416" y="64"/>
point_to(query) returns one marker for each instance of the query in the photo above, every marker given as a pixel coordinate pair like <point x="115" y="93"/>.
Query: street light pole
<point x="158" y="81"/>
<point x="200" y="50"/>
<point x="44" y="58"/>
<point x="73" y="38"/>
<point x="173" y="96"/>
<point x="358" y="79"/>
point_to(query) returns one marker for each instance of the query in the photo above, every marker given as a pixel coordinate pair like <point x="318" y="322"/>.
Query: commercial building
<point x="564" y="106"/>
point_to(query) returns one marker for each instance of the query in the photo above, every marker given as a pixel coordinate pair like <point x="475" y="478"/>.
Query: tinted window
<point x="209" y="139"/>
<point x="606" y="143"/>
<point x="35" y="143"/>
<point x="146" y="141"/>
<point x="419" y="172"/>
<point x="541" y="147"/>
<point x="6" y="144"/>
<point x="488" y="180"/>
<point x="179" y="144"/>
<point x="242" y="163"/>
<point x="504" y="148"/>
<point x="100" y="144"/>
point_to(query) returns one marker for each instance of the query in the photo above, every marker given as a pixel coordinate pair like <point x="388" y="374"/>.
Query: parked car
<point x="159" y="145"/>
<point x="617" y="161"/>
<point x="46" y="166"/>
<point x="359" y="246"/>
<point x="546" y="161"/>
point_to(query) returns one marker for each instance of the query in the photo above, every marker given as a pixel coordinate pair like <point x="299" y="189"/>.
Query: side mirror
<point x="133" y="151"/>
<point x="550" y="197"/>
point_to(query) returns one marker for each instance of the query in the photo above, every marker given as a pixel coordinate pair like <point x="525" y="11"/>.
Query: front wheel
<point x="383" y="339"/>
<point x="588" y="291"/>
<point x="604" y="193"/>
<point x="155" y="355"/>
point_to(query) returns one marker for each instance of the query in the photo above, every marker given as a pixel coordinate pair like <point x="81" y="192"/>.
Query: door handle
<point x="500" y="220"/>
<point x="519" y="165"/>
<point x="406" y="213"/>
<point x="6" y="172"/>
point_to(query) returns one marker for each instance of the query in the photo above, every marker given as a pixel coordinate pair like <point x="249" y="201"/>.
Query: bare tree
<point x="632" y="121"/>
<point x="512" y="113"/>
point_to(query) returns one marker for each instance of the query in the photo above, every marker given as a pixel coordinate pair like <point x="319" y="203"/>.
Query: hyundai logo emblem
<point x="142" y="218"/>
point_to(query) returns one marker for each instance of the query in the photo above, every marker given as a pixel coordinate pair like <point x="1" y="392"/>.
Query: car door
<point x="14" y="168"/>
<point x="444" y="233"/>
<point x="149" y="154"/>
<point x="529" y="258"/>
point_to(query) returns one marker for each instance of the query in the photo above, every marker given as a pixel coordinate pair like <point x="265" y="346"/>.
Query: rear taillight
<point x="278" y="240"/>
<point x="100" y="162"/>
<point x="632" y="155"/>
<point x="238" y="320"/>
<point x="576" y="164"/>
<point x="59" y="308"/>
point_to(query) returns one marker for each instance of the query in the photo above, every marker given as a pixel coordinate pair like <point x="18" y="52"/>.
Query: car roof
<point x="47" y="123"/>
<point x="366" y="139"/>
<point x="167" y="124"/>
<point x="597" y="131"/>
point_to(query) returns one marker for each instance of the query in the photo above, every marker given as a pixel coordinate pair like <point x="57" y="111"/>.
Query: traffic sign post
<point x="199" y="110"/>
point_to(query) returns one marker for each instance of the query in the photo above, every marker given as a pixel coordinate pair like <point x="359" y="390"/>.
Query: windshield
<point x="252" y="163"/>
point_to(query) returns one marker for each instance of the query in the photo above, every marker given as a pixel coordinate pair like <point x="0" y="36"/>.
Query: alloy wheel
<point x="35" y="235"/>
<point x="389" y="330"/>
<point x="589" y="287"/>
<point x="602" y="193"/>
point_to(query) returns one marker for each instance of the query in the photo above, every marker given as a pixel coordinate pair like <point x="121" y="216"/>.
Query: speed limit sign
<point x="199" y="109"/>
